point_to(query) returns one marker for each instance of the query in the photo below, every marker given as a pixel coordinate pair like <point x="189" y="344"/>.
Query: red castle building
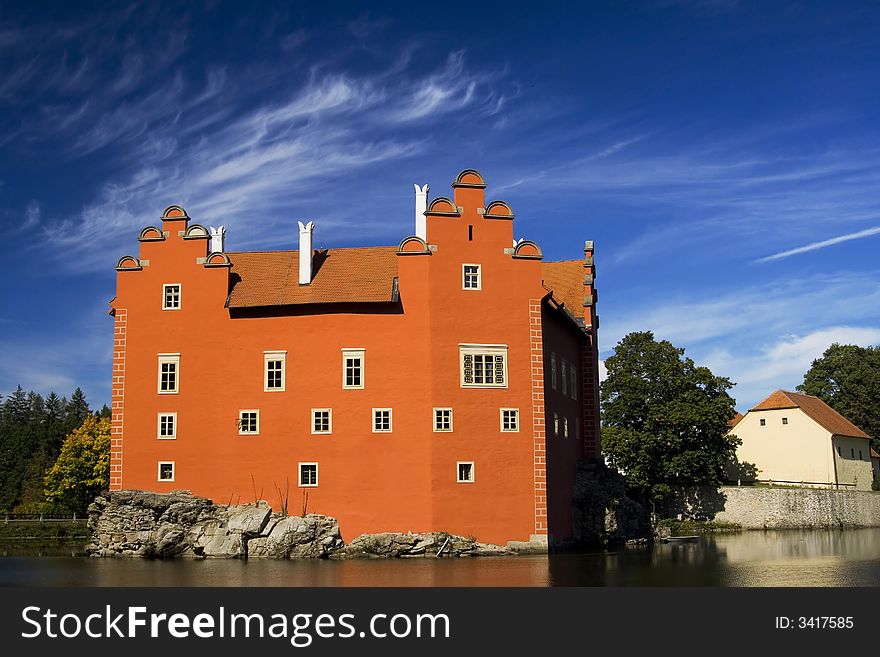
<point x="449" y="383"/>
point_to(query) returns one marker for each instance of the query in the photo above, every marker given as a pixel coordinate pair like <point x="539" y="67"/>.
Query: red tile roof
<point x="566" y="280"/>
<point x="815" y="409"/>
<point x="732" y="422"/>
<point x="271" y="278"/>
<point x="356" y="275"/>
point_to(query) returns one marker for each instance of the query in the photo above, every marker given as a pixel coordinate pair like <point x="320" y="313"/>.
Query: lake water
<point x="771" y="558"/>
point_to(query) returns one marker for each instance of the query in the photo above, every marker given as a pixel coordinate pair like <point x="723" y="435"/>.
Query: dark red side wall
<point x="567" y="341"/>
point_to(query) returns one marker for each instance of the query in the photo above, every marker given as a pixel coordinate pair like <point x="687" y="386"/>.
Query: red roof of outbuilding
<point x="815" y="409"/>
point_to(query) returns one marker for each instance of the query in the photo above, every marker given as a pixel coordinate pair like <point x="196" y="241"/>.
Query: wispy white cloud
<point x="822" y="244"/>
<point x="257" y="169"/>
<point x="756" y="335"/>
<point x="448" y="90"/>
<point x="783" y="362"/>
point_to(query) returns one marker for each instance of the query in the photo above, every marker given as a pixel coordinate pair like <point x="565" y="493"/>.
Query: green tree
<point x="76" y="409"/>
<point x="664" y="419"/>
<point x="82" y="470"/>
<point x="847" y="378"/>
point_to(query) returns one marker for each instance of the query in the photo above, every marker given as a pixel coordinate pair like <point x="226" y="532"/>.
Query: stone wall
<point x="141" y="524"/>
<point x="781" y="508"/>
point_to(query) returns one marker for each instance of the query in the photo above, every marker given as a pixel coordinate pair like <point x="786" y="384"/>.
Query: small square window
<point x="352" y="368"/>
<point x="322" y="420"/>
<point x="248" y="422"/>
<point x="167" y="426"/>
<point x="274" y="364"/>
<point x="470" y="275"/>
<point x="564" y="378"/>
<point x="763" y="422"/>
<point x="171" y="296"/>
<point x="308" y="475"/>
<point x="442" y="419"/>
<point x="465" y="472"/>
<point x="510" y="419"/>
<point x="166" y="470"/>
<point x="381" y="420"/>
<point x="785" y="420"/>
<point x="169" y="370"/>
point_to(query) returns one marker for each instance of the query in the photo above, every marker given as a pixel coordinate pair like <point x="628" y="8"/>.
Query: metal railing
<point x="43" y="517"/>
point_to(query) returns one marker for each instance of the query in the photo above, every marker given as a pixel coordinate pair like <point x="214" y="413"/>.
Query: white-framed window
<point x="470" y="277"/>
<point x="353" y="368"/>
<point x="171" y="296"/>
<point x="564" y="374"/>
<point x="274" y="370"/>
<point x="165" y="471"/>
<point x="167" y="426"/>
<point x="555" y="424"/>
<point x="553" y="370"/>
<point x="442" y="419"/>
<point x="308" y="475"/>
<point x="169" y="374"/>
<point x="573" y="373"/>
<point x="322" y="420"/>
<point x="248" y="422"/>
<point x="464" y="472"/>
<point x="510" y="419"/>
<point x="381" y="420"/>
<point x="565" y="427"/>
<point x="483" y="366"/>
<point x="762" y="422"/>
<point x="577" y="428"/>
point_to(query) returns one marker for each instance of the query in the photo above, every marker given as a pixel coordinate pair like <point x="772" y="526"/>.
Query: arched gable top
<point x="196" y="232"/>
<point x="217" y="259"/>
<point x="469" y="178"/>
<point x="413" y="245"/>
<point x="174" y="212"/>
<point x="151" y="234"/>
<point x="128" y="263"/>
<point x="444" y="207"/>
<point x="498" y="210"/>
<point x="528" y="250"/>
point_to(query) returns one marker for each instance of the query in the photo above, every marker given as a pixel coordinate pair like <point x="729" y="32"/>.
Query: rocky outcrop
<point x="603" y="514"/>
<point x="142" y="524"/>
<point x="432" y="544"/>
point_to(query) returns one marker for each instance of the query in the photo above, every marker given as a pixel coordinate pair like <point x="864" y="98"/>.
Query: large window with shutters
<point x="483" y="366"/>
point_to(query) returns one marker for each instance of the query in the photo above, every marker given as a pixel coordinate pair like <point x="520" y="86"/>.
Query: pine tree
<point x="77" y="410"/>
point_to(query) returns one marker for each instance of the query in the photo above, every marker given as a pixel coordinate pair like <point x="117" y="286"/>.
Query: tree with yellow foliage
<point x="82" y="469"/>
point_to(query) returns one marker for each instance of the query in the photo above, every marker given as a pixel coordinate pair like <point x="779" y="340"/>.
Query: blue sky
<point x="724" y="156"/>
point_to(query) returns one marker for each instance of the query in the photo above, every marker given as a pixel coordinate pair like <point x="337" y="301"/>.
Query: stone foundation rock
<point x="603" y="514"/>
<point x="165" y="525"/>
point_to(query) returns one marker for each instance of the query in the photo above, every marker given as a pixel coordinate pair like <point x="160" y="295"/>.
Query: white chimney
<point x="217" y="239"/>
<point x="421" y="206"/>
<point x="305" y="252"/>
